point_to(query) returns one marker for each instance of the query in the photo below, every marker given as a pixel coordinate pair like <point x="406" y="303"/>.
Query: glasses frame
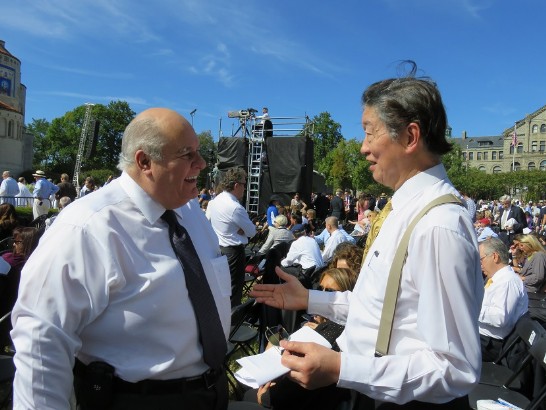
<point x="274" y="336"/>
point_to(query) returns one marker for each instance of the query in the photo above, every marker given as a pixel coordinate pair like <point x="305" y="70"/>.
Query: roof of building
<point x="7" y="107"/>
<point x="3" y="50"/>
<point x="480" y="142"/>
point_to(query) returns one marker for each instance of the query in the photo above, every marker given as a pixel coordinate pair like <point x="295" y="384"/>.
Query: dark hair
<point x="8" y="217"/>
<point x="29" y="237"/>
<point x="232" y="177"/>
<point x="401" y="101"/>
<point x="351" y="253"/>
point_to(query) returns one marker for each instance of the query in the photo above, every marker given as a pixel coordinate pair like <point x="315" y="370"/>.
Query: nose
<point x="365" y="148"/>
<point x="200" y="161"/>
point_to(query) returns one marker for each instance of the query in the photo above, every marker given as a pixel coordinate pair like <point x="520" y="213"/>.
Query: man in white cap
<point x="42" y="191"/>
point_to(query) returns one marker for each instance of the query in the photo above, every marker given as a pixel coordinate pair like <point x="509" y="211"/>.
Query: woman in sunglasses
<point x="533" y="272"/>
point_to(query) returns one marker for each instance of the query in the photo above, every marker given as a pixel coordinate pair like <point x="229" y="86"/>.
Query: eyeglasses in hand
<point x="274" y="336"/>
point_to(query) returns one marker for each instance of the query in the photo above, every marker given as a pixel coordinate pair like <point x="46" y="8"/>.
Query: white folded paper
<point x="259" y="369"/>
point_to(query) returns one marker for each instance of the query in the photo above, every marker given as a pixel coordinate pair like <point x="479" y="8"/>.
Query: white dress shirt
<point x="504" y="302"/>
<point x="331" y="244"/>
<point x="8" y="188"/>
<point x="304" y="251"/>
<point x="434" y="353"/>
<point x="227" y="216"/>
<point x="105" y="284"/>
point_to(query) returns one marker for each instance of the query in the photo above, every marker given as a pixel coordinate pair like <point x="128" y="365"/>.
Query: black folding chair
<point x="533" y="335"/>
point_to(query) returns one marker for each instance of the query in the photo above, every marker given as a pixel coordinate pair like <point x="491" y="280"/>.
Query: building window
<point x="481" y="168"/>
<point x="516" y="166"/>
<point x="543" y="165"/>
<point x="497" y="170"/>
<point x="501" y="154"/>
<point x="511" y="149"/>
<point x="464" y="156"/>
<point x="479" y="156"/>
<point x="534" y="146"/>
<point x="520" y="148"/>
<point x="542" y="146"/>
<point x="10" y="129"/>
<point x="470" y="156"/>
<point x="535" y="129"/>
<point x="543" y="128"/>
<point x="494" y="155"/>
<point x="531" y="166"/>
<point x="485" y="156"/>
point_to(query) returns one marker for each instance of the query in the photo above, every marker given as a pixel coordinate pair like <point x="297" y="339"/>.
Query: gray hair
<point x="64" y="201"/>
<point x="505" y="198"/>
<point x="495" y="245"/>
<point x="141" y="134"/>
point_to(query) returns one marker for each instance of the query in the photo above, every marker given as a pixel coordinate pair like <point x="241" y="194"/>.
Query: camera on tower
<point x="248" y="113"/>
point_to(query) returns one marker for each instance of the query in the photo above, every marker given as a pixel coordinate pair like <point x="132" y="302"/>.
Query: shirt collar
<point x="151" y="209"/>
<point x="416" y="184"/>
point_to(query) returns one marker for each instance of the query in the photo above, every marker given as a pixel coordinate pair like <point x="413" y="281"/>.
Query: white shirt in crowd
<point x="504" y="302"/>
<point x="227" y="216"/>
<point x="304" y="251"/>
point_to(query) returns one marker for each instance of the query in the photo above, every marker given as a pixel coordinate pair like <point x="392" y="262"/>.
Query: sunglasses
<point x="274" y="336"/>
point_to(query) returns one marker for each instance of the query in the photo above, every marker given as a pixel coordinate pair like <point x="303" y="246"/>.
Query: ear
<point x="142" y="161"/>
<point x="412" y="136"/>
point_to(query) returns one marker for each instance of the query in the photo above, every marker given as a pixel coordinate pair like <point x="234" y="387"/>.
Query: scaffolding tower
<point x="83" y="146"/>
<point x="253" y="130"/>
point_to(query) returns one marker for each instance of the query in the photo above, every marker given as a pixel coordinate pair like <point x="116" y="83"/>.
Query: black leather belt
<point x="204" y="381"/>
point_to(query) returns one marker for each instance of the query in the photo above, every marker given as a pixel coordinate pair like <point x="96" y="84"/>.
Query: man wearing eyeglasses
<point x="433" y="359"/>
<point x="233" y="227"/>
<point x="504" y="300"/>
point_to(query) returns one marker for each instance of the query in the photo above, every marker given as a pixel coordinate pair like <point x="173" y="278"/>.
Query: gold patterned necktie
<point x="488" y="283"/>
<point x="376" y="226"/>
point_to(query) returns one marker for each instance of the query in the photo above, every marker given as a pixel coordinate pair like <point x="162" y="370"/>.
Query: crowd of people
<point x="126" y="298"/>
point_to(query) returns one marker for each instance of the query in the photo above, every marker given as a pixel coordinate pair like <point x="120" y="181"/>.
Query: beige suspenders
<point x="395" y="274"/>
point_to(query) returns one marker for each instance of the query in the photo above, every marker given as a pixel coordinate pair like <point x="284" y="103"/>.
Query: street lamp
<point x="192" y="113"/>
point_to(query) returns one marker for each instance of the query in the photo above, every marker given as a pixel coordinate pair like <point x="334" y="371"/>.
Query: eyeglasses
<point x="326" y="289"/>
<point x="274" y="336"/>
<point x="485" y="256"/>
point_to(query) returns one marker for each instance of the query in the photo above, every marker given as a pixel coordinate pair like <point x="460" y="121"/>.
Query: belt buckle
<point x="210" y="378"/>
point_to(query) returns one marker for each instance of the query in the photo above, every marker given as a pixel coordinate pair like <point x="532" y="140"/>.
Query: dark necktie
<point x="211" y="333"/>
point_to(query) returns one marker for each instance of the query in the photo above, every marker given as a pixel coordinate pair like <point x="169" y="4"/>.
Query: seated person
<point x="347" y="255"/>
<point x="533" y="272"/>
<point x="277" y="234"/>
<point x="285" y="394"/>
<point x="304" y="254"/>
<point x="323" y="237"/>
<point x="504" y="301"/>
<point x="296" y="221"/>
<point x="8" y="220"/>
<point x="336" y="237"/>
<point x="272" y="210"/>
<point x="25" y="240"/>
<point x="311" y="216"/>
<point x="484" y="230"/>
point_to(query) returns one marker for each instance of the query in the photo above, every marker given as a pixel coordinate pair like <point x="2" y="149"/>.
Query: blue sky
<point x="297" y="57"/>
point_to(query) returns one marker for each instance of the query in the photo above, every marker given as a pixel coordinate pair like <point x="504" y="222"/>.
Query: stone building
<point x="496" y="154"/>
<point x="15" y="142"/>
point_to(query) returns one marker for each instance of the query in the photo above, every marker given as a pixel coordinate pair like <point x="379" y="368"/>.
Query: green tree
<point x="56" y="143"/>
<point x="208" y="151"/>
<point x="38" y="128"/>
<point x="326" y="136"/>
